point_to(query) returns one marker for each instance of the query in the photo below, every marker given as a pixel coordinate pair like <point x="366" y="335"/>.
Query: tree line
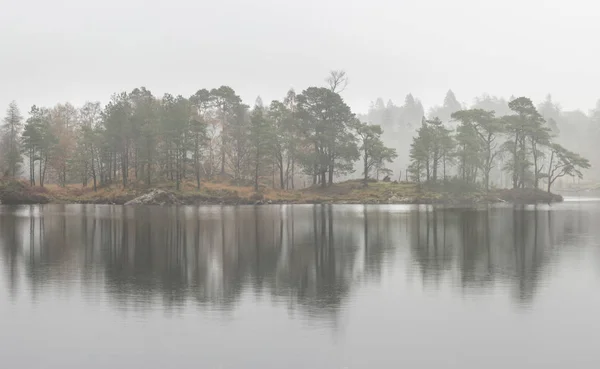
<point x="138" y="138"/>
<point x="521" y="143"/>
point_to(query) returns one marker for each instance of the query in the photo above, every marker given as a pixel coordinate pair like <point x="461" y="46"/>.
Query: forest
<point x="308" y="138"/>
<point x="493" y="142"/>
<point x="139" y="139"/>
<point x="523" y="142"/>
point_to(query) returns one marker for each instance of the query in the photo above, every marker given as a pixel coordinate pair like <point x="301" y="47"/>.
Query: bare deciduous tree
<point x="337" y="81"/>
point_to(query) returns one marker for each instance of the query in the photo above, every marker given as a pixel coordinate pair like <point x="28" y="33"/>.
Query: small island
<point x="212" y="193"/>
<point x="211" y="148"/>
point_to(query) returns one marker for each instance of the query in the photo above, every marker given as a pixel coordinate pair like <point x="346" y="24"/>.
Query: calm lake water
<point x="300" y="286"/>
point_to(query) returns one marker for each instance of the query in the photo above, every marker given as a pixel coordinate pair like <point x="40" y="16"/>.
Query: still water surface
<point x="300" y="287"/>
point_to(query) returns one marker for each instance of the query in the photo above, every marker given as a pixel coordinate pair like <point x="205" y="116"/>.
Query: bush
<point x="452" y="185"/>
<point x="528" y="196"/>
<point x="14" y="192"/>
<point x="257" y="197"/>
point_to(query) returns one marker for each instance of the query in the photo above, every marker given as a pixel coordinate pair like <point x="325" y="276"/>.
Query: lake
<point x="300" y="286"/>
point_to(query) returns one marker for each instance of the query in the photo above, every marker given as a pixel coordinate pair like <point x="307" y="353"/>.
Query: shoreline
<point x="349" y="192"/>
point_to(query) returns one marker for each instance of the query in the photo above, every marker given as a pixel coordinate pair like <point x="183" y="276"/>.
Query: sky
<point x="78" y="50"/>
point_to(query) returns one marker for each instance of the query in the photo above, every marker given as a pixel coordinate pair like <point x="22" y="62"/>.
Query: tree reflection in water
<point x="308" y="257"/>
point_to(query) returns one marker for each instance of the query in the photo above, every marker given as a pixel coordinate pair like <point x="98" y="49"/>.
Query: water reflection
<point x="308" y="258"/>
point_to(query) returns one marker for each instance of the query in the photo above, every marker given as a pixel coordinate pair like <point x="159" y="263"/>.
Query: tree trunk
<point x="114" y="167"/>
<point x="223" y="157"/>
<point x="177" y="169"/>
<point x="43" y="173"/>
<point x="293" y="166"/>
<point x="32" y="167"/>
<point x="522" y="166"/>
<point x="281" y="180"/>
<point x="101" y="168"/>
<point x="515" y="161"/>
<point x="273" y="174"/>
<point x="550" y="171"/>
<point x="197" y="161"/>
<point x="124" y="168"/>
<point x="330" y="175"/>
<point x="84" y="176"/>
<point x="223" y="123"/>
<point x="93" y="168"/>
<point x="149" y="164"/>
<point x="211" y="161"/>
<point x="183" y="166"/>
<point x="198" y="176"/>
<point x="535" y="170"/>
<point x="11" y="149"/>
<point x="136" y="164"/>
<point x="94" y="178"/>
<point x="256" y="169"/>
<point x="435" y="166"/>
<point x="444" y="164"/>
<point x="366" y="168"/>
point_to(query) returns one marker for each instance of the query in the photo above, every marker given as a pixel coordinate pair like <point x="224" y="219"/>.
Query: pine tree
<point x="11" y="145"/>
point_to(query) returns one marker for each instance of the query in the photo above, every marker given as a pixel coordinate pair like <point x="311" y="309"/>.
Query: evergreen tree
<point x="552" y="113"/>
<point x="31" y="141"/>
<point x="487" y="130"/>
<point x="564" y="163"/>
<point x="226" y="101"/>
<point x="430" y="149"/>
<point x="262" y="139"/>
<point x="374" y="152"/>
<point x="325" y="122"/>
<point x="11" y="143"/>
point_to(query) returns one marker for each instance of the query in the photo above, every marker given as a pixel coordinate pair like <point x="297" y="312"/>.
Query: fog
<point x="576" y="129"/>
<point x="485" y="53"/>
<point x="75" y="51"/>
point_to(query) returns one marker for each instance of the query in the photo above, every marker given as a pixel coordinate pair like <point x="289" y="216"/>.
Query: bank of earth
<point x="349" y="192"/>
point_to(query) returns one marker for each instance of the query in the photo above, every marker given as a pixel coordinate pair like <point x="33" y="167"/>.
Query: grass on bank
<point x="352" y="191"/>
<point x="20" y="192"/>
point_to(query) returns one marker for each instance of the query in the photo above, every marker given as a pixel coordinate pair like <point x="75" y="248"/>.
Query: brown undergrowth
<point x="224" y="192"/>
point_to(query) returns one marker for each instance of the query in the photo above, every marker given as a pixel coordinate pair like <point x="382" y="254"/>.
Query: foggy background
<point x="73" y="50"/>
<point x="79" y="51"/>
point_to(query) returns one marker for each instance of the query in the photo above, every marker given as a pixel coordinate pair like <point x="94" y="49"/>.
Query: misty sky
<point x="76" y="50"/>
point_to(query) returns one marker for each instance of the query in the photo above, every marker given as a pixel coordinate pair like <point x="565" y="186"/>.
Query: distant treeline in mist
<point x="510" y="143"/>
<point x="312" y="137"/>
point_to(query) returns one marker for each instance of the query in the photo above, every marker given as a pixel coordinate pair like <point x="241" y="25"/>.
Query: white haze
<point x="76" y="50"/>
